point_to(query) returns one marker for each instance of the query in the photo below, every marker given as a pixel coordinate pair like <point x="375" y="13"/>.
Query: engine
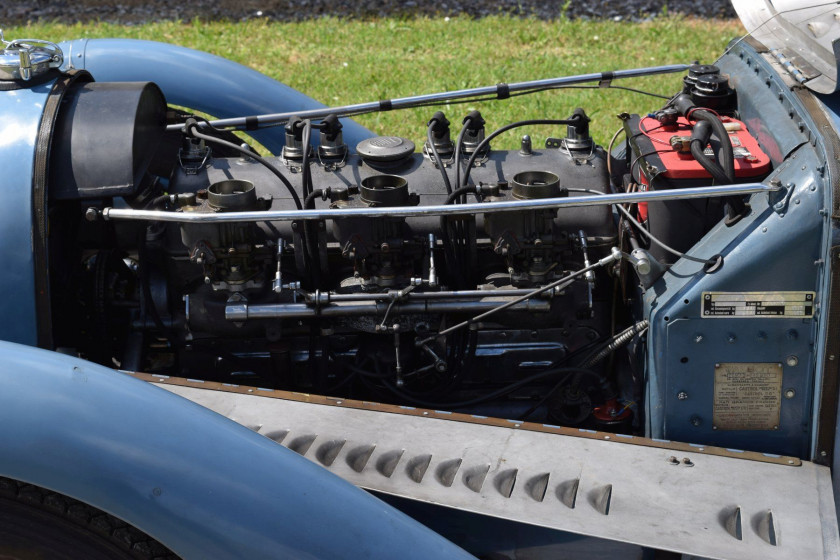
<point x="454" y="276"/>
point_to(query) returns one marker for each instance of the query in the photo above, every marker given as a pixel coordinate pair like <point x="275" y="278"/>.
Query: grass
<point x="342" y="62"/>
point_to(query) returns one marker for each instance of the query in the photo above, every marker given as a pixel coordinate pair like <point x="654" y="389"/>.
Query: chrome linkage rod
<point x="434" y="210"/>
<point x="502" y="91"/>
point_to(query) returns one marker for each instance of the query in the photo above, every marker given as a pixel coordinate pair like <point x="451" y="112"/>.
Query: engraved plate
<point x="748" y="396"/>
<point x="757" y="304"/>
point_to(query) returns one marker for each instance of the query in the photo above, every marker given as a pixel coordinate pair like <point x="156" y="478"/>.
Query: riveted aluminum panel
<point x="631" y="490"/>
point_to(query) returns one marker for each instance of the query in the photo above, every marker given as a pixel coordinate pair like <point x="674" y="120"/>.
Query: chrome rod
<point x="434" y="210"/>
<point x="405" y="102"/>
<point x="245" y="311"/>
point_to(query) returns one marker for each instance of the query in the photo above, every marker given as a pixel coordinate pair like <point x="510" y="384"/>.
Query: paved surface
<point x="140" y="11"/>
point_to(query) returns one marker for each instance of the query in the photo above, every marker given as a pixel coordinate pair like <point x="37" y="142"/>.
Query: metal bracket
<point x="779" y="199"/>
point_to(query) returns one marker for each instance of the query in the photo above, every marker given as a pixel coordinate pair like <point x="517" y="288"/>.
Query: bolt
<point x="682" y="395"/>
<point x="673" y="460"/>
<point x="687" y="462"/>
<point x="696" y="421"/>
<point x="792" y="361"/>
<point x="790" y="393"/>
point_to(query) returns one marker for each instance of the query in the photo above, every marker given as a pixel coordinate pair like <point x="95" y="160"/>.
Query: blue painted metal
<point x="20" y="116"/>
<point x="198" y="80"/>
<point x="490" y="537"/>
<point x="780" y="246"/>
<point x="201" y="484"/>
<point x="831" y="104"/>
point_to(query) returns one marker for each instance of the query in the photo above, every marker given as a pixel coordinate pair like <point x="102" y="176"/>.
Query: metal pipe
<point x="326" y="298"/>
<point x="245" y="311"/>
<point x="436" y="210"/>
<point x="405" y="102"/>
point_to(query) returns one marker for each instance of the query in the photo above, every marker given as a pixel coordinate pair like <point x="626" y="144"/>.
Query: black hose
<point x="490" y="396"/>
<point x="725" y="154"/>
<point x="556" y="388"/>
<point x="483" y="143"/>
<point x="432" y="125"/>
<point x="454" y="195"/>
<point x="306" y="173"/>
<point x="467" y="123"/>
<point x="192" y="130"/>
<point x="699" y="138"/>
<point x="310" y="198"/>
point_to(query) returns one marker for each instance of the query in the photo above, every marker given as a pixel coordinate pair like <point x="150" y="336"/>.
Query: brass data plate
<point x="748" y="396"/>
<point x="716" y="305"/>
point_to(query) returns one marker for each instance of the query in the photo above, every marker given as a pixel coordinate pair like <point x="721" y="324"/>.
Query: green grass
<point x="342" y="62"/>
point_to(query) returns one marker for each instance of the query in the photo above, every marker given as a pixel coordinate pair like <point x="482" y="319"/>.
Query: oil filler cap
<point x="385" y="149"/>
<point x="24" y="59"/>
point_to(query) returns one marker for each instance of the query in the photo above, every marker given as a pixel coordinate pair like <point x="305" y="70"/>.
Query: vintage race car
<point x="360" y="347"/>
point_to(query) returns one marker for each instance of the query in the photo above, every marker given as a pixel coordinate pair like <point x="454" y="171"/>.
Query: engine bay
<point x="451" y="276"/>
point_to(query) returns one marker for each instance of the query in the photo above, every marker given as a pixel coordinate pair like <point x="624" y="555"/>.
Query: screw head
<point x="790" y="393"/>
<point x="682" y="395"/>
<point x="696" y="421"/>
<point x="698" y="338"/>
<point x="792" y="361"/>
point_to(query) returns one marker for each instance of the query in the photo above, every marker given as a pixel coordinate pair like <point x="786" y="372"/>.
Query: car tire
<point x="36" y="523"/>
